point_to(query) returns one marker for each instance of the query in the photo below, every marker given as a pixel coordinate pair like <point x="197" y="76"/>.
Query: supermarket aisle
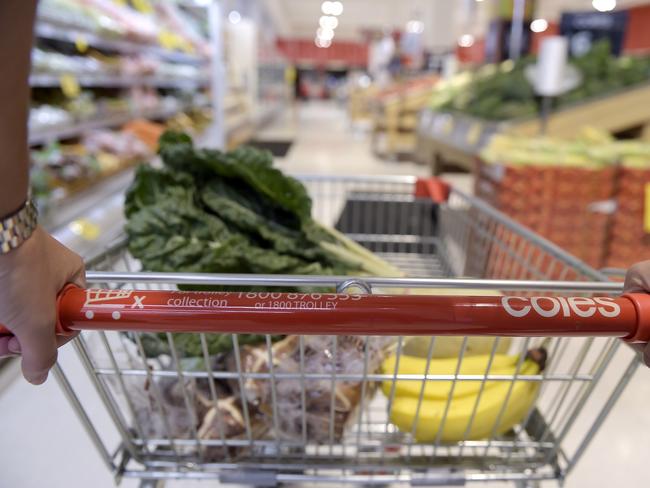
<point x="325" y="143"/>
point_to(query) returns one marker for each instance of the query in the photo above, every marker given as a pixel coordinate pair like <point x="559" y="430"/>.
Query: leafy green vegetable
<point x="230" y="212"/>
<point x="502" y="92"/>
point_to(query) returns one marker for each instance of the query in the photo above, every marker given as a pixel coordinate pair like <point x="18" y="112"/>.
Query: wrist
<point x="14" y="190"/>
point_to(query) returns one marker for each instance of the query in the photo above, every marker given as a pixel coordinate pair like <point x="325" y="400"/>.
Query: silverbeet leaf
<point x="208" y="211"/>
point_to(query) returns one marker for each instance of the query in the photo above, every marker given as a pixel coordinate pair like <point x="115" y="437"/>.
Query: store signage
<point x="585" y="28"/>
<point x="560" y="306"/>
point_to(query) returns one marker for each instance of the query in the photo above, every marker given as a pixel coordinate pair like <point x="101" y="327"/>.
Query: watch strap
<point x="18" y="227"/>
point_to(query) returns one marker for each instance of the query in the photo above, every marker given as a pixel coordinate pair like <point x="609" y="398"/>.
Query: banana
<point x="470" y="365"/>
<point x="434" y="389"/>
<point x="450" y="346"/>
<point x="461" y="407"/>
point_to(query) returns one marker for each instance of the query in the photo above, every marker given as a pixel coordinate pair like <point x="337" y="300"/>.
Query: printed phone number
<point x="299" y="296"/>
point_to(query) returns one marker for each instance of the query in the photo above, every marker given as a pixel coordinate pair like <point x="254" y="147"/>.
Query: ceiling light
<point x="324" y="43"/>
<point x="539" y="25"/>
<point x="234" y="17"/>
<point x="326" y="8"/>
<point x="336" y="8"/>
<point x="466" y="40"/>
<point x="325" y="34"/>
<point x="415" y="26"/>
<point x="328" y="22"/>
<point x="604" y="5"/>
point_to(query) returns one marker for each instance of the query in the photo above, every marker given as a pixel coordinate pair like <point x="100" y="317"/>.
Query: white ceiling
<point x="299" y="18"/>
<point x="444" y="20"/>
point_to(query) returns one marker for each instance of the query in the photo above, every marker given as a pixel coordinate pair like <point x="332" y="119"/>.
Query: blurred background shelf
<point x="43" y="136"/>
<point x="117" y="81"/>
<point x="49" y="30"/>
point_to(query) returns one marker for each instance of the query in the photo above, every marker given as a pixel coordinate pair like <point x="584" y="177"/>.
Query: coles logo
<point x="560" y="306"/>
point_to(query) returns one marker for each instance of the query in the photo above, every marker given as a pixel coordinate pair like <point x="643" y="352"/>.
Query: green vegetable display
<point x="209" y="211"/>
<point x="502" y="92"/>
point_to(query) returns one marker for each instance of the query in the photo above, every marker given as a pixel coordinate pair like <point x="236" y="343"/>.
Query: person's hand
<point x="637" y="280"/>
<point x="30" y="279"/>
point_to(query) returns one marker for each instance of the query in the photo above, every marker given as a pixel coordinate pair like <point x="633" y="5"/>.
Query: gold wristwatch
<point x="17" y="227"/>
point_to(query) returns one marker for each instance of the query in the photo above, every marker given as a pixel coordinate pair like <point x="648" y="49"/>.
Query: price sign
<point x="69" y="85"/>
<point x="646" y="209"/>
<point x="446" y="125"/>
<point x="143" y="6"/>
<point x="85" y="228"/>
<point x="474" y="133"/>
<point x="167" y="39"/>
<point x="81" y="43"/>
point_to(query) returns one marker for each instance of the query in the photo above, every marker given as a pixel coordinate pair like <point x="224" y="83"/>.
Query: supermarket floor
<point x="42" y="443"/>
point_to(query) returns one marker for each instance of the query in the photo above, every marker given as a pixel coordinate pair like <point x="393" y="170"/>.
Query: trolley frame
<point x="459" y="237"/>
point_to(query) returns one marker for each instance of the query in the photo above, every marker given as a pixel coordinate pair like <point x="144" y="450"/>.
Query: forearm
<point x="16" y="27"/>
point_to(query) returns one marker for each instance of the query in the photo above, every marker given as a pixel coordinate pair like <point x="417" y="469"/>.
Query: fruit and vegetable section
<point x="581" y="181"/>
<point x="586" y="194"/>
<point x="107" y="78"/>
<point x="467" y="109"/>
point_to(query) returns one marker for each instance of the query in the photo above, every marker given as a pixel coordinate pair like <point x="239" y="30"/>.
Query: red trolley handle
<point x="627" y="317"/>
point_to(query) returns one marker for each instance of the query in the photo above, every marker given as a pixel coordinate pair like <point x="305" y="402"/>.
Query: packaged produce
<point x="148" y="132"/>
<point x="320" y="357"/>
<point x="59" y="170"/>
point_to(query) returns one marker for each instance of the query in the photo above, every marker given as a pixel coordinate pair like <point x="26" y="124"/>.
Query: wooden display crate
<point x="395" y="118"/>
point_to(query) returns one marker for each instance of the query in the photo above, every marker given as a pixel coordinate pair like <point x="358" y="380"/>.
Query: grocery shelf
<point x="98" y="207"/>
<point x="445" y="136"/>
<point x="110" y="81"/>
<point x="458" y="138"/>
<point x="49" y="30"/>
<point x="66" y="131"/>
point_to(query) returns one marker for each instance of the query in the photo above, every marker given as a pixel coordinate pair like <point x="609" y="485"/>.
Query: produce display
<point x="395" y="113"/>
<point x="592" y="149"/>
<point x="53" y="113"/>
<point x="148" y="132"/>
<point x="630" y="224"/>
<point x="155" y="23"/>
<point x="59" y="170"/>
<point x="502" y="92"/>
<point x="98" y="65"/>
<point x="574" y="192"/>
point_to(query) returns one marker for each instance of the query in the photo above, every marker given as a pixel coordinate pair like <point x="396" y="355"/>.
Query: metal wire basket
<point x="460" y="243"/>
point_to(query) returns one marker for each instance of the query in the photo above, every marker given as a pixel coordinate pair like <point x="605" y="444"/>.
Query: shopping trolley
<point x="441" y="238"/>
